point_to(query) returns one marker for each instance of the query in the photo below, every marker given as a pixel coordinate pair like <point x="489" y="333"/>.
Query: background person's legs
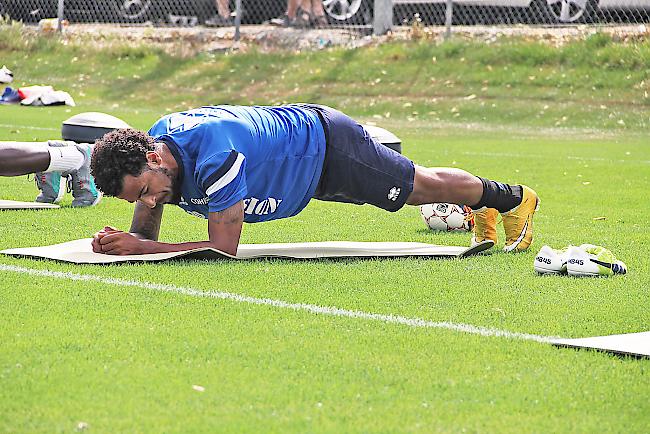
<point x="315" y="8"/>
<point x="222" y="18"/>
<point x="291" y="18"/>
<point x="22" y="158"/>
<point x="292" y="8"/>
<point x="223" y="9"/>
<point x="48" y="161"/>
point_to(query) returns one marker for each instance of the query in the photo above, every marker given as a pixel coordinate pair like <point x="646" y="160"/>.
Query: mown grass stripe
<point x="540" y="157"/>
<point x="324" y="310"/>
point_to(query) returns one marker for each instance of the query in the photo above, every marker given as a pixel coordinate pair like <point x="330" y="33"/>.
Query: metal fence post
<point x="59" y="16"/>
<point x="237" y="19"/>
<point x="383" y="17"/>
<point x="449" y="13"/>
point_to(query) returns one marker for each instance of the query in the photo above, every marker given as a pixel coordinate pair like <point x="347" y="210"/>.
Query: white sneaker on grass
<point x="551" y="261"/>
<point x="591" y="260"/>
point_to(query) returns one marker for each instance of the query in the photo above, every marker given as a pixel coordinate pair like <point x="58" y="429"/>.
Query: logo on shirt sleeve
<point x="183" y="122"/>
<point x="200" y="201"/>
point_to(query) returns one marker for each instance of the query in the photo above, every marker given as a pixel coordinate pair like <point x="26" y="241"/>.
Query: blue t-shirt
<point x="269" y="157"/>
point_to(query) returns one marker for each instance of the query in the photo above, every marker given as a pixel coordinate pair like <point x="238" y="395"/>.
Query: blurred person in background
<point x="222" y="18"/>
<point x="316" y="12"/>
<point x="294" y="16"/>
<point x="302" y="14"/>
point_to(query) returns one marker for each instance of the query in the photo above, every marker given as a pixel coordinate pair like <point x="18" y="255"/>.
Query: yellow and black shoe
<point x="518" y="222"/>
<point x="485" y="226"/>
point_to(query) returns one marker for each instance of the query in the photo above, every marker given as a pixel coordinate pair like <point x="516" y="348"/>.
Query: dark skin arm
<point x="146" y="221"/>
<point x="224" y="230"/>
<point x="145" y="225"/>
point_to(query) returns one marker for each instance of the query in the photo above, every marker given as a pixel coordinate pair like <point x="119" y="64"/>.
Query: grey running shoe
<point x="84" y="191"/>
<point x="51" y="184"/>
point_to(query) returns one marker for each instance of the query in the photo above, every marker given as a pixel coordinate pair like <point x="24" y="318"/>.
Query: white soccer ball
<point x="447" y="217"/>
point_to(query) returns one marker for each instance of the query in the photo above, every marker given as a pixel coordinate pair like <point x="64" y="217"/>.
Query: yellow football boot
<point x="485" y="226"/>
<point x="518" y="223"/>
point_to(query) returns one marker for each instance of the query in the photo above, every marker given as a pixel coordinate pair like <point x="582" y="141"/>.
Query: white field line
<point x="311" y="308"/>
<point x="29" y="127"/>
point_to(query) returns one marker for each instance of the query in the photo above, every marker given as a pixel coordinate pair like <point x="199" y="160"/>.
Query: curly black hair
<point x="117" y="154"/>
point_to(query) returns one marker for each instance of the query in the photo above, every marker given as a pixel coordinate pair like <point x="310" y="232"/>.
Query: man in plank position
<point x="236" y="164"/>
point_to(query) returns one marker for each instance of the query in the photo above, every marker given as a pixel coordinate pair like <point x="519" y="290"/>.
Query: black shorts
<point x="359" y="170"/>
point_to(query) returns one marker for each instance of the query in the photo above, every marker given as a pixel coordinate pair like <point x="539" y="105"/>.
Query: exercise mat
<point x="12" y="204"/>
<point x="80" y="251"/>
<point x="631" y="344"/>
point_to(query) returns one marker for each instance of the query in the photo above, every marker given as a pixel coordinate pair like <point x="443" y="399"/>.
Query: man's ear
<point x="153" y="159"/>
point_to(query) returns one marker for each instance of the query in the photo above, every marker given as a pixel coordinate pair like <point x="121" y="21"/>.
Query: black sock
<point x="502" y="197"/>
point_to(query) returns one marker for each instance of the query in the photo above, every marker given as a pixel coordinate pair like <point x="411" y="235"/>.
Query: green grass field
<point x="110" y="356"/>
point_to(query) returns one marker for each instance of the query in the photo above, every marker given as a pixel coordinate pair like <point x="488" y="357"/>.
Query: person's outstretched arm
<point x="224" y="230"/>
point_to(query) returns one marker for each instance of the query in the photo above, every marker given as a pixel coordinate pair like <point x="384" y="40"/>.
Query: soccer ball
<point x="447" y="217"/>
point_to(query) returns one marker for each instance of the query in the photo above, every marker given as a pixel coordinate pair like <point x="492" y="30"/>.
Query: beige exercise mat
<point x="634" y="344"/>
<point x="12" y="204"/>
<point x="80" y="251"/>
